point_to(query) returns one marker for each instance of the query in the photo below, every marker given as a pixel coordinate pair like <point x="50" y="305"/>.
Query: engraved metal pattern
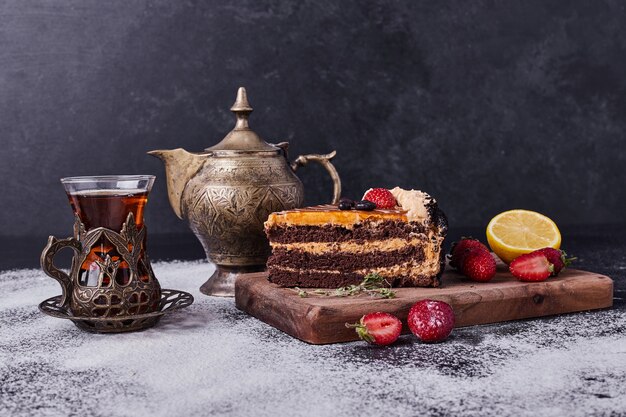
<point x="122" y="305"/>
<point x="47" y="264"/>
<point x="171" y="300"/>
<point x="227" y="192"/>
<point x="110" y="297"/>
<point x="227" y="203"/>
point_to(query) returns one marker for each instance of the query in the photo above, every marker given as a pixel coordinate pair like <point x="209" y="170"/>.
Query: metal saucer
<point x="171" y="300"/>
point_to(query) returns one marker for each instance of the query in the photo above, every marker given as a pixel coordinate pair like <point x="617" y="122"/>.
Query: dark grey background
<point x="486" y="105"/>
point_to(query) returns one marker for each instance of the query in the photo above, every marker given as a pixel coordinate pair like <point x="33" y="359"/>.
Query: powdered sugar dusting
<point x="211" y="359"/>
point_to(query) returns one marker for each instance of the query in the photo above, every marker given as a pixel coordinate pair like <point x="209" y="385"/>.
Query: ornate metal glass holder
<point x="111" y="286"/>
<point x="171" y="300"/>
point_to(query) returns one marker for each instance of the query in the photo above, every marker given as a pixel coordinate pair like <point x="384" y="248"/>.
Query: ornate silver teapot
<point x="227" y="192"/>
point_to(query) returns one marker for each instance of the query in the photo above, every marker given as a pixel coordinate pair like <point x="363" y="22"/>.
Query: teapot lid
<point x="242" y="138"/>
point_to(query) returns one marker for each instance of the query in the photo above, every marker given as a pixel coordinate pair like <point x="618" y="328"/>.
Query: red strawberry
<point x="382" y="197"/>
<point x="479" y="265"/>
<point x="431" y="321"/>
<point x="556" y="257"/>
<point x="378" y="328"/>
<point x="461" y="248"/>
<point x="531" y="267"/>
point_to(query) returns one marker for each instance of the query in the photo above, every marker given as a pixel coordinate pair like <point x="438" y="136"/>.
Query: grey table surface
<point x="212" y="359"/>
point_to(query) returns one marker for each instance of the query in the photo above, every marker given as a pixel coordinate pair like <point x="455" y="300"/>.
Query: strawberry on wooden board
<point x="531" y="267"/>
<point x="378" y="328"/>
<point x="431" y="321"/>
<point x="479" y="265"/>
<point x="382" y="197"/>
<point x="461" y="248"/>
<point x="556" y="257"/>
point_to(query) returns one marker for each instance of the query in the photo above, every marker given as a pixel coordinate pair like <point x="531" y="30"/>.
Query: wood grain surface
<point x="321" y="319"/>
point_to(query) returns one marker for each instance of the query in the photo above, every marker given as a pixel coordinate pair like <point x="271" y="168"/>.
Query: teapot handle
<point x="47" y="264"/>
<point x="324" y="160"/>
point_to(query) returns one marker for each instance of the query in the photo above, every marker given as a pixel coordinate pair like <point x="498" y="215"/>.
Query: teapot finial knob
<point x="242" y="109"/>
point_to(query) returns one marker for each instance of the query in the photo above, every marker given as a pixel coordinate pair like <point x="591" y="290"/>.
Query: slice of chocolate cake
<point x="325" y="247"/>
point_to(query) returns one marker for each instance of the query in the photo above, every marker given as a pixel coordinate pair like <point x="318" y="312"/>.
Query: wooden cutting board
<point x="321" y="319"/>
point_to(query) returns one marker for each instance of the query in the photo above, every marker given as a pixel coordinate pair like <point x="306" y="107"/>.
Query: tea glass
<point x="111" y="274"/>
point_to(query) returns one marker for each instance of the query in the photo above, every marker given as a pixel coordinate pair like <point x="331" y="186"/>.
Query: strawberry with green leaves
<point x="378" y="328"/>
<point x="558" y="258"/>
<point x="538" y="265"/>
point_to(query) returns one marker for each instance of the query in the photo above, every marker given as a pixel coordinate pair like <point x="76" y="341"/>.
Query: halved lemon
<point x="516" y="232"/>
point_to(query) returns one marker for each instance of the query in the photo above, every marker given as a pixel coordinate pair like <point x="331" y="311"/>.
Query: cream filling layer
<point x="319" y="248"/>
<point x="429" y="267"/>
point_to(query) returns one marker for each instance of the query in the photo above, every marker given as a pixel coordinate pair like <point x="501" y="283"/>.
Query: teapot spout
<point x="180" y="167"/>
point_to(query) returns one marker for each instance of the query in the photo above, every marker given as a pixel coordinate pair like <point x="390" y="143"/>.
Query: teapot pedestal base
<point x="222" y="282"/>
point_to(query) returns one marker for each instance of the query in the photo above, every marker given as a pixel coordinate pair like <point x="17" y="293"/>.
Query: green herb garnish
<point x="373" y="284"/>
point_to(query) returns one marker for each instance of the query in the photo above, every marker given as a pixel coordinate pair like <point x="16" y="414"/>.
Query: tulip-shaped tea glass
<point x="110" y="276"/>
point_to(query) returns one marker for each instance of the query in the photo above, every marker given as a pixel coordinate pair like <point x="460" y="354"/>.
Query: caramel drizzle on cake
<point x="329" y="214"/>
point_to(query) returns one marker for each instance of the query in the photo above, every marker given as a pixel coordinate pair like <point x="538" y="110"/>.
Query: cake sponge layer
<point x="345" y="261"/>
<point x="360" y="232"/>
<point x="326" y="279"/>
